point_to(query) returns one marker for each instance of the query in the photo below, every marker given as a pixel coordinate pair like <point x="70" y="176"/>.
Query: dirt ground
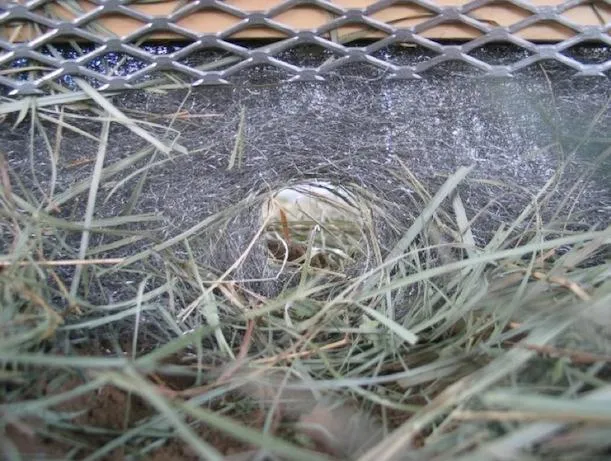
<point x="113" y="409"/>
<point x="107" y="409"/>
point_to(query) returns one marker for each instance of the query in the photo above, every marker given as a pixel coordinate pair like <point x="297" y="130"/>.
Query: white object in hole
<point x="292" y="214"/>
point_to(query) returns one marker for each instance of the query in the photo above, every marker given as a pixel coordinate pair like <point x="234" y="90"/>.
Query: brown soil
<point x="107" y="409"/>
<point x="113" y="409"/>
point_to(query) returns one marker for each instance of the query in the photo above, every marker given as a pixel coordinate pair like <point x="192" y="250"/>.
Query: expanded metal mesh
<point x="61" y="48"/>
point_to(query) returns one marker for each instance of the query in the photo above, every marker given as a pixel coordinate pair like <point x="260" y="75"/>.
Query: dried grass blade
<point x="132" y="382"/>
<point x="512" y="444"/>
<point x="129" y="123"/>
<point x="464" y="228"/>
<point x="419" y="224"/>
<point x="96" y="179"/>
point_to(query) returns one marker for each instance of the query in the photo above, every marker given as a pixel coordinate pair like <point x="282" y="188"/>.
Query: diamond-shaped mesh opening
<point x="152" y="8"/>
<point x="208" y="20"/>
<point x="57" y="85"/>
<point x="213" y="59"/>
<point x="11" y="30"/>
<point x="500" y="53"/>
<point x="161" y="48"/>
<point x="304" y="17"/>
<point x="255" y="44"/>
<point x="546" y="31"/>
<point x="106" y="24"/>
<point x="25" y="69"/>
<point x="161" y="42"/>
<point x="64" y="10"/>
<point x="67" y="82"/>
<point x="116" y="64"/>
<point x="307" y="55"/>
<point x="354" y="33"/>
<point x="594" y="52"/>
<point x="255" y="32"/>
<point x="404" y="54"/>
<point x="451" y="30"/>
<point x="113" y="25"/>
<point x="505" y="14"/>
<point x="248" y="6"/>
<point x="16" y="31"/>
<point x="403" y="15"/>
<point x="67" y="47"/>
<point x="594" y="11"/>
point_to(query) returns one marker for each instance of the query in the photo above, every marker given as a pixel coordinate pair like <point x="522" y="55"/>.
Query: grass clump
<point x="123" y="337"/>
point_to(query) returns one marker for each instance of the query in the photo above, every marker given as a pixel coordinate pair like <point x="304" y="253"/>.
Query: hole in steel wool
<point x="314" y="219"/>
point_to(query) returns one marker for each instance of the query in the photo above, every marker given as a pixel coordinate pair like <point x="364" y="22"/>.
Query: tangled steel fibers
<point x="358" y="130"/>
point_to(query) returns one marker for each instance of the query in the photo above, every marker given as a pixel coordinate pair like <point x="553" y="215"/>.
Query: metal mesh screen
<point x="58" y="49"/>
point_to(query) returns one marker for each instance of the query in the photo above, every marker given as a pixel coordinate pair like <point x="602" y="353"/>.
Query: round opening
<point x="316" y="222"/>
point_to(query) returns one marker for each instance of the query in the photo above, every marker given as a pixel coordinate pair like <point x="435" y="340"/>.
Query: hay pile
<point x="135" y="268"/>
